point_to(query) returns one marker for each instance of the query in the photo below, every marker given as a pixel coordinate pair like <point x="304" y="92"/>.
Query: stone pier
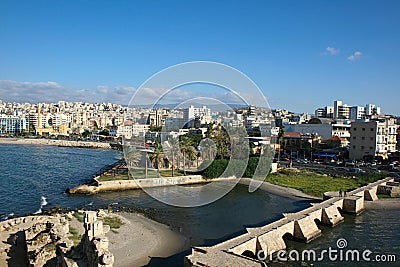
<point x="303" y="225"/>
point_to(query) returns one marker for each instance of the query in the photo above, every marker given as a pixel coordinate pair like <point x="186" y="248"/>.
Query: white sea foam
<point x="43" y="202"/>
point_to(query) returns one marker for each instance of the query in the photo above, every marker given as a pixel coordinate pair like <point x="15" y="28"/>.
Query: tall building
<point x="157" y="117"/>
<point x="344" y="111"/>
<point x="12" y="125"/>
<point x="192" y="112"/>
<point x="371" y="109"/>
<point x="370" y="139"/>
<point x="357" y="113"/>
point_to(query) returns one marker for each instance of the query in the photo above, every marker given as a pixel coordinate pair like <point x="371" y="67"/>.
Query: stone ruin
<point x="46" y="241"/>
<point x="94" y="244"/>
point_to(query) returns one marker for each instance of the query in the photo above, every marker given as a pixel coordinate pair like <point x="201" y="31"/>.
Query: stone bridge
<point x="302" y="226"/>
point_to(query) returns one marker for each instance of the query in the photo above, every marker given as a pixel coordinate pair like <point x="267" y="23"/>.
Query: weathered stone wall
<point x="43" y="240"/>
<point x="94" y="243"/>
<point x="120" y="185"/>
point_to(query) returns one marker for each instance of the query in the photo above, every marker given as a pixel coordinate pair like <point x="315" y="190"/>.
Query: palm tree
<point x="208" y="149"/>
<point x="171" y="149"/>
<point x="157" y="157"/>
<point x="281" y="134"/>
<point x="187" y="149"/>
<point x="132" y="157"/>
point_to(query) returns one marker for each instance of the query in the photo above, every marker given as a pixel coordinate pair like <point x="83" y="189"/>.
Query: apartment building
<point x="370" y="139"/>
<point x="12" y="125"/>
<point x="339" y="110"/>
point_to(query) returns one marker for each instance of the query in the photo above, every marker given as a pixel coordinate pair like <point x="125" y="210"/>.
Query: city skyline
<point x="301" y="59"/>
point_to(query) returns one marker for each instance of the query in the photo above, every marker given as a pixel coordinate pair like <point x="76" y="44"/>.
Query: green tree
<point x="187" y="149"/>
<point x="85" y="134"/>
<point x="171" y="150"/>
<point x="208" y="149"/>
<point x="157" y="157"/>
<point x="105" y="132"/>
<point x="221" y="138"/>
<point x="281" y="134"/>
<point x="132" y="157"/>
<point x="154" y="128"/>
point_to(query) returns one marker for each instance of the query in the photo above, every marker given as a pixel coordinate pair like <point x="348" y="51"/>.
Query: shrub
<point x="216" y="168"/>
<point x="113" y="222"/>
<point x="237" y="168"/>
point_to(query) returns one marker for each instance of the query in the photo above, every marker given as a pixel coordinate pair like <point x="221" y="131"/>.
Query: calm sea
<point x="35" y="177"/>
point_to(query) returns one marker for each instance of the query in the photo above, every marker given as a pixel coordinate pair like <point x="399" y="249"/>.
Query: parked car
<point x="393" y="174"/>
<point x="356" y="170"/>
<point x="375" y="170"/>
<point x="302" y="161"/>
<point x="350" y="163"/>
<point x="368" y="164"/>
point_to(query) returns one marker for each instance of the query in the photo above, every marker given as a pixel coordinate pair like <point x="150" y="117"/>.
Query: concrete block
<point x="305" y="229"/>
<point x="353" y="205"/>
<point x="370" y="194"/>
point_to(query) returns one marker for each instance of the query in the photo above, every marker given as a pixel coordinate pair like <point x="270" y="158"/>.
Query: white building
<point x="372" y="138"/>
<point x="12" y="125"/>
<point x="325" y="130"/>
<point x="192" y="112"/>
<point x="357" y="113"/>
<point x="344" y="111"/>
<point x="371" y="109"/>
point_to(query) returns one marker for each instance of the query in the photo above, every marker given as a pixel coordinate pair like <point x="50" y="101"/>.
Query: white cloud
<point x="355" y="56"/>
<point x="332" y="51"/>
<point x="51" y="92"/>
<point x="33" y="92"/>
<point x="102" y="88"/>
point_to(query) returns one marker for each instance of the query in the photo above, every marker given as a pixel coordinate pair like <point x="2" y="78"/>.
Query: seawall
<point x="120" y="185"/>
<point x="54" y="142"/>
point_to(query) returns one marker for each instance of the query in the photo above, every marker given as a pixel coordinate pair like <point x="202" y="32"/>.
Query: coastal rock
<point x="106" y="229"/>
<point x="102" y="213"/>
<point x="107" y="258"/>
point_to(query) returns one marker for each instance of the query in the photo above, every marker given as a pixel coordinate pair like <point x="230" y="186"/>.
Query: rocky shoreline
<point x="54" y="142"/>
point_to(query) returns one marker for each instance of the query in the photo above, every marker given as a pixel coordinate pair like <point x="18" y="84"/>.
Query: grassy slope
<point x="316" y="184"/>
<point x="139" y="174"/>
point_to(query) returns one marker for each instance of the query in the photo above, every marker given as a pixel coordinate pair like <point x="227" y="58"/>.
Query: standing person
<point x="14" y="242"/>
<point x="340" y="192"/>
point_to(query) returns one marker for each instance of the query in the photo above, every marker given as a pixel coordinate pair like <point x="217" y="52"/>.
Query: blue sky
<point x="103" y="50"/>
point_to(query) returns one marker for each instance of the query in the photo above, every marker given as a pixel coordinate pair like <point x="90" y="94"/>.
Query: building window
<point x="355" y="129"/>
<point x="371" y="148"/>
<point x="363" y="138"/>
<point x="363" y="129"/>
<point x="362" y="147"/>
<point x="354" y="147"/>
<point x="354" y="138"/>
<point x="371" y="138"/>
<point x="372" y="129"/>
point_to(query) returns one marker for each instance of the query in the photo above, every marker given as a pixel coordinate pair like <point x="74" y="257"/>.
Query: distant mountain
<point x="174" y="105"/>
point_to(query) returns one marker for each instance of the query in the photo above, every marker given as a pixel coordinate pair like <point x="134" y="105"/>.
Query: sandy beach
<point x="140" y="238"/>
<point x="53" y="142"/>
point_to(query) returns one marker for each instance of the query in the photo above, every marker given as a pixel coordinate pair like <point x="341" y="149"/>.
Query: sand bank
<point x="140" y="238"/>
